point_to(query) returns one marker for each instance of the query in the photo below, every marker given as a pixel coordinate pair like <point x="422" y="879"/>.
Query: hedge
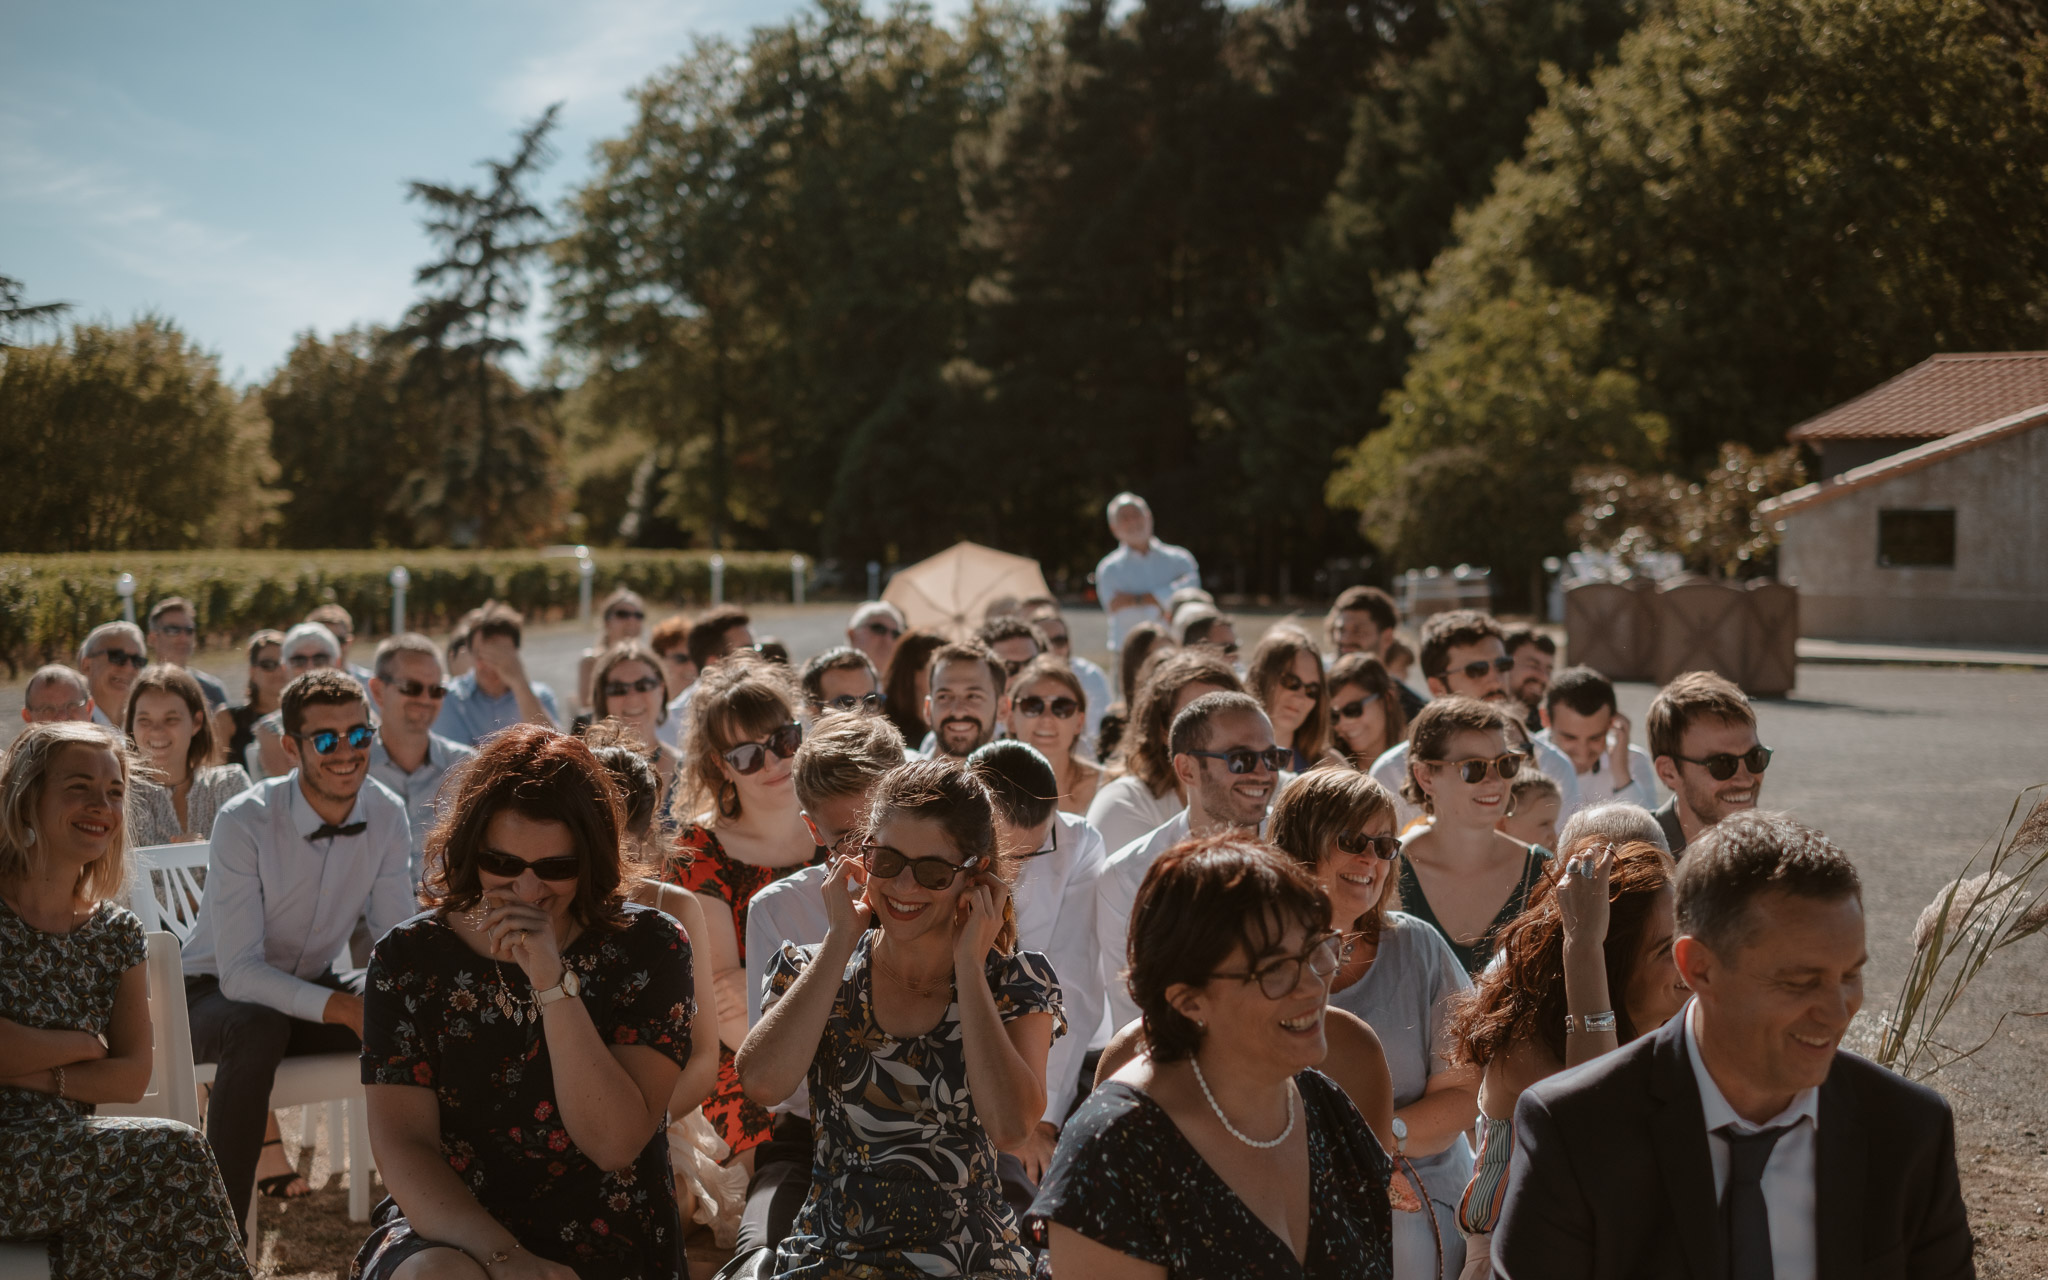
<point x="49" y="603"/>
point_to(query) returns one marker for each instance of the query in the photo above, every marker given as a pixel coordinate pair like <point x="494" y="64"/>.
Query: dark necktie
<point x="1744" y="1214"/>
<point x="328" y="830"/>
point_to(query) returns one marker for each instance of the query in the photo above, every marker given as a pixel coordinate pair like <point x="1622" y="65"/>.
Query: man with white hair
<point x="874" y="630"/>
<point x="54" y="693"/>
<point x="1617" y="822"/>
<point x="111" y="657"/>
<point x="1135" y="581"/>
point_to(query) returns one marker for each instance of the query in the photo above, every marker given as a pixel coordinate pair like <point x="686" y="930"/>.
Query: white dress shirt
<point x="1056" y="900"/>
<point x="671" y="729"/>
<point x="279" y="907"/>
<point x="1124" y="809"/>
<point x="791" y="909"/>
<point x="1121" y="875"/>
<point x="420" y="789"/>
<point x="1788" y="1180"/>
<point x="1391" y="769"/>
<point x="1597" y="787"/>
<point x="1160" y="570"/>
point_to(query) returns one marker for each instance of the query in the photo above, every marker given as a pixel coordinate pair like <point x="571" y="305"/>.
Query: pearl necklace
<point x="1232" y="1129"/>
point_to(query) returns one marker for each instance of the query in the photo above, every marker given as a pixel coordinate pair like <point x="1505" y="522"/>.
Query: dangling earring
<point x="729" y="800"/>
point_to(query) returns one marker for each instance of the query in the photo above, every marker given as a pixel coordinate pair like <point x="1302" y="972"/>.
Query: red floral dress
<point x="701" y="865"/>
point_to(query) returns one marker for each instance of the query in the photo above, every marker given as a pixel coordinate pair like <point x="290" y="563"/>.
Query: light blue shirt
<point x="420" y="790"/>
<point x="280" y="906"/>
<point x="1160" y="570"/>
<point x="469" y="715"/>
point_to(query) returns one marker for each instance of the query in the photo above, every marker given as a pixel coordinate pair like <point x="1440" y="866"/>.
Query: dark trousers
<point x="248" y="1041"/>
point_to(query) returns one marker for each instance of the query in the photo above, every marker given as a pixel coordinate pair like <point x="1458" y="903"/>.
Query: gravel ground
<point x="1910" y="769"/>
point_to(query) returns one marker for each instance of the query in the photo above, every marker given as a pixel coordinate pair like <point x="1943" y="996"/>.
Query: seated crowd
<point x="955" y="956"/>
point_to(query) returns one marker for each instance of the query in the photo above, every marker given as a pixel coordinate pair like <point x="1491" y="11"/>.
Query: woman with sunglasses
<point x="922" y="1034"/>
<point x="522" y="1039"/>
<point x="1049" y="709"/>
<point x="182" y="790"/>
<point x="1286" y="676"/>
<point x="236" y="726"/>
<point x="1366" y="713"/>
<point x="1221" y="1151"/>
<point x="1402" y="980"/>
<point x="623" y="615"/>
<point x="1458" y="873"/>
<point x="740" y="828"/>
<point x="629" y="685"/>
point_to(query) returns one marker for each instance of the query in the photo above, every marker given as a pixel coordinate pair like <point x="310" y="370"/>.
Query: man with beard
<point x="1703" y="740"/>
<point x="408" y="682"/>
<point x="296" y="860"/>
<point x="1223" y="755"/>
<point x="1535" y="657"/>
<point x="1464" y="652"/>
<point x="965" y="699"/>
<point x="1363" y="620"/>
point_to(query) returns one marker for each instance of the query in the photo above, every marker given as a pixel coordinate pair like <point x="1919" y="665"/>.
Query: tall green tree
<point x="493" y="481"/>
<point x="347" y="430"/>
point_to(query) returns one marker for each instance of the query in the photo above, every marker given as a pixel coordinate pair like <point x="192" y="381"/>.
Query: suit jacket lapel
<point x="1678" y="1132"/>
<point x="1840" y="1156"/>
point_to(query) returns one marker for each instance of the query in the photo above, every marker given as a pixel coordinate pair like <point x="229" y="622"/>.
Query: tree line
<point x="1335" y="284"/>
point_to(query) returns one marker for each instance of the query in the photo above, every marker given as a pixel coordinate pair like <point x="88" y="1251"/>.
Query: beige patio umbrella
<point x="950" y="592"/>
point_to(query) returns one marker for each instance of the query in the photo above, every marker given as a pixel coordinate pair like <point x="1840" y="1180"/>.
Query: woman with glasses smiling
<point x="1048" y="709"/>
<point x="922" y="1034"/>
<point x="1366" y="713"/>
<point x="1286" y="676"/>
<point x="1458" y="873"/>
<point x="624" y="614"/>
<point x="628" y="685"/>
<point x="1402" y="979"/>
<point x="740" y="828"/>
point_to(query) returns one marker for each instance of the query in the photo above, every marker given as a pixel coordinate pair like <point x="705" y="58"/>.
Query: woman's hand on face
<point x="1582" y="896"/>
<point x="525" y="935"/>
<point x="981" y="920"/>
<point x="846" y="911"/>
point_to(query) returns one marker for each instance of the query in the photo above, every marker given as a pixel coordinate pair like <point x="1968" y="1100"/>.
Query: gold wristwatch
<point x="570" y="985"/>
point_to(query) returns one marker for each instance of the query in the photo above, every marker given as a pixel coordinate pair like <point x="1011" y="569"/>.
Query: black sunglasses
<point x="1721" y="765"/>
<point x="1356" y="707"/>
<point x="749" y="757"/>
<point x="1477" y="670"/>
<point x="414" y="689"/>
<point x="1358" y="844"/>
<point x="620" y="688"/>
<point x="174" y="629"/>
<point x="1295" y="684"/>
<point x="266" y="664"/>
<point x="868" y="702"/>
<point x="309" y="660"/>
<point x="634" y="614"/>
<point x="884" y="863"/>
<point x="1062" y="708"/>
<point x="328" y="741"/>
<point x="121" y="658"/>
<point x="884" y="629"/>
<point x="1245" y="760"/>
<point x="1475" y="769"/>
<point x="559" y="868"/>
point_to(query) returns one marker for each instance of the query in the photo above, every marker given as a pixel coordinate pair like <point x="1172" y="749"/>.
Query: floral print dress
<point x="432" y="1017"/>
<point x="117" y="1197"/>
<point x="903" y="1176"/>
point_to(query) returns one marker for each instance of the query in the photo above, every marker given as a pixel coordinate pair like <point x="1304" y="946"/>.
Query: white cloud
<point x="603" y="50"/>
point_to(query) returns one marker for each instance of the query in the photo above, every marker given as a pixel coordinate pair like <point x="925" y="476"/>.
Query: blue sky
<point x="240" y="167"/>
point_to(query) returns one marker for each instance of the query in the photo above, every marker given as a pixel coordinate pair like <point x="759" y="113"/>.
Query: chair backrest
<point x="164" y="892"/>
<point x="172" y="1093"/>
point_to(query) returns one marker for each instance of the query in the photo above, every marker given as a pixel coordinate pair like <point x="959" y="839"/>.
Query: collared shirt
<point x="469" y="715"/>
<point x="1122" y="873"/>
<point x="1056" y="898"/>
<point x="1095" y="683"/>
<point x="1391" y="770"/>
<point x="791" y="909"/>
<point x="99" y="717"/>
<point x="1597" y="787"/>
<point x="1160" y="570"/>
<point x="1124" y="809"/>
<point x="279" y="906"/>
<point x="420" y="789"/>
<point x="216" y="692"/>
<point x="1788" y="1180"/>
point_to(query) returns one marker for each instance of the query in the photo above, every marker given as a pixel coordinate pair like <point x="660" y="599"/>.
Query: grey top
<point x="156" y="817"/>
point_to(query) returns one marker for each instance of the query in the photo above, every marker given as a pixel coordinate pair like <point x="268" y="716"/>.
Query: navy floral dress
<point x="1126" y="1177"/>
<point x="116" y="1196"/>
<point x="431" y="1017"/>
<point x="903" y="1176"/>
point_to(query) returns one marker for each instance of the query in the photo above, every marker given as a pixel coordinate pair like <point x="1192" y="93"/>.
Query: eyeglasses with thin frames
<point x="1278" y="979"/>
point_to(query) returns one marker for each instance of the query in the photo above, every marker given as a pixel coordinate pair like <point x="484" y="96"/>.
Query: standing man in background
<point x="1134" y="581"/>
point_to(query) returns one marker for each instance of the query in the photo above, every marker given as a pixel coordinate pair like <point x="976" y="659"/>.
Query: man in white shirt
<point x="1223" y="754"/>
<point x="295" y="862"/>
<point x="1135" y="581"/>
<point x="408" y="757"/>
<point x="717" y="631"/>
<point x="1465" y="654"/>
<point x="497" y="693"/>
<point x="111" y="657"/>
<point x="1581" y="720"/>
<point x="1043" y="612"/>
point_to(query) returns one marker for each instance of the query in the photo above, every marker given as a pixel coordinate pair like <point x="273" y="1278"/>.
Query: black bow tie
<point x="328" y="830"/>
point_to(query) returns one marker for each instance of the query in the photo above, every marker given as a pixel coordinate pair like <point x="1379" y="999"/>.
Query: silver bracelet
<point x="1589" y="1023"/>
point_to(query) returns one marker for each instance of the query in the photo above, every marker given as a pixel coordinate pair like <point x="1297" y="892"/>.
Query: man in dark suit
<point x="1740" y="1142"/>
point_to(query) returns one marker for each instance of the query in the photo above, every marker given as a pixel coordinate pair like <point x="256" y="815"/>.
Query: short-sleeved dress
<point x="1126" y="1177"/>
<point x="702" y="865"/>
<point x="156" y="816"/>
<point x="903" y="1176"/>
<point x="1405" y="997"/>
<point x="118" y="1196"/>
<point x="431" y="1017"/>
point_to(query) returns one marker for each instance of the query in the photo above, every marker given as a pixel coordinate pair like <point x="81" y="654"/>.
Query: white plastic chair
<point x="165" y="895"/>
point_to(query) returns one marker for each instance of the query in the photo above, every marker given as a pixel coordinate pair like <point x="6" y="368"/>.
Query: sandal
<point x="279" y="1186"/>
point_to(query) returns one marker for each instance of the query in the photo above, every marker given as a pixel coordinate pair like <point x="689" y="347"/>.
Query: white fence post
<point x="718" y="579"/>
<point x="796" y="579"/>
<point x="586" y="569"/>
<point x="400" y="580"/>
<point x="125" y="586"/>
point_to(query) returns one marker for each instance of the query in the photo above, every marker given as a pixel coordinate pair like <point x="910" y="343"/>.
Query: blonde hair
<point x="23" y="778"/>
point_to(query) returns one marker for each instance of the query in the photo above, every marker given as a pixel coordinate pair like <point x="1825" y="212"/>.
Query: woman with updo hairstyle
<point x="922" y="1034"/>
<point x="1049" y="710"/>
<point x="1222" y="1152"/>
<point x="1586" y="969"/>
<point x="522" y="1039"/>
<point x="125" y="1197"/>
<point x="1366" y="715"/>
<point x="739" y="828"/>
<point x="630" y="684"/>
<point x="1402" y="979"/>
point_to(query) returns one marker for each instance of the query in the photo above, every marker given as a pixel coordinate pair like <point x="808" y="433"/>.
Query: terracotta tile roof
<point x="1937" y="397"/>
<point x="1928" y="454"/>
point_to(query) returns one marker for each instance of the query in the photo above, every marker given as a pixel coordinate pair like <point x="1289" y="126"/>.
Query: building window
<point x="1916" y="539"/>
